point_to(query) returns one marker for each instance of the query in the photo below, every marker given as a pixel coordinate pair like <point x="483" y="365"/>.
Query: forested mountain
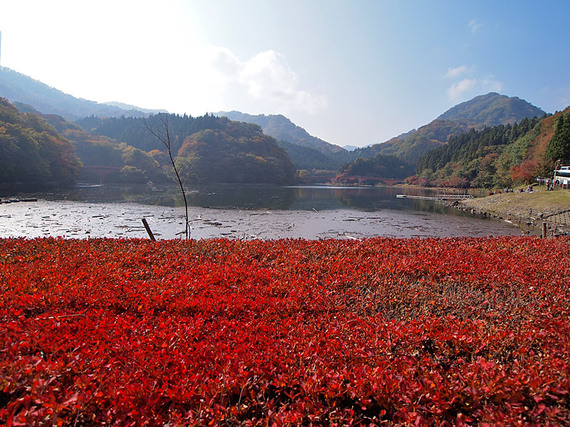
<point x="32" y="153"/>
<point x="306" y="158"/>
<point x="207" y="148"/>
<point x="379" y="169"/>
<point x="491" y="110"/>
<point x="311" y="156"/>
<point x="484" y="141"/>
<point x="126" y="163"/>
<point x="485" y="110"/>
<point x="499" y="156"/>
<point x="17" y="87"/>
<point x="281" y="128"/>
<point x="234" y="152"/>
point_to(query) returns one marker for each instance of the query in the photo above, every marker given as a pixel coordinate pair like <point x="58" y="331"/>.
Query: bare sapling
<point x="163" y="136"/>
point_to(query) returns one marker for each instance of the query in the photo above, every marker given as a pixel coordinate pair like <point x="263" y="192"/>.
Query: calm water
<point x="243" y="212"/>
<point x="257" y="197"/>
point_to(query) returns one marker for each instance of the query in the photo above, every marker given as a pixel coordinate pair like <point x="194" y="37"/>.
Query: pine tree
<point x="559" y="147"/>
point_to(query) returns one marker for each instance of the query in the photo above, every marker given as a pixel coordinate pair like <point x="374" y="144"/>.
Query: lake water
<point x="241" y="212"/>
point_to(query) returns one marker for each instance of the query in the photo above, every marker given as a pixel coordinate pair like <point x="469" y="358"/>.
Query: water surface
<point x="241" y="212"/>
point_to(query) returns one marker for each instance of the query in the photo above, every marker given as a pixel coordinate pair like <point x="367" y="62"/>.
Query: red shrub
<point x="434" y="331"/>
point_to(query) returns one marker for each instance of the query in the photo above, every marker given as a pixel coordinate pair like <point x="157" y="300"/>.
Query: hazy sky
<point x="348" y="71"/>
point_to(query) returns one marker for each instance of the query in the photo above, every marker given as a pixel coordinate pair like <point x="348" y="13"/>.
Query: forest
<point x="46" y="150"/>
<point x="375" y="169"/>
<point x="206" y="149"/>
<point x="42" y="151"/>
<point x="32" y="153"/>
<point x="499" y="156"/>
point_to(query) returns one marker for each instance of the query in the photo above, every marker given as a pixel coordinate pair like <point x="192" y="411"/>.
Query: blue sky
<point x="352" y="72"/>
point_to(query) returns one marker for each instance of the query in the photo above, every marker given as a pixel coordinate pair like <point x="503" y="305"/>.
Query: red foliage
<point x="525" y="172"/>
<point x="434" y="331"/>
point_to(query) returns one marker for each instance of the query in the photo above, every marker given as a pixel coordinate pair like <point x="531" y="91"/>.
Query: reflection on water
<point x="259" y="197"/>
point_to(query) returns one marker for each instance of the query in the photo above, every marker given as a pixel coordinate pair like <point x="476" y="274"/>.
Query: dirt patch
<point x="526" y="209"/>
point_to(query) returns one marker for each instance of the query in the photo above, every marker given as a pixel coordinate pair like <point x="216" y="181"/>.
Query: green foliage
<point x="207" y="149"/>
<point x="239" y="152"/>
<point x="559" y="147"/>
<point x="133" y="175"/>
<point x="32" y="152"/>
<point x="480" y="112"/>
<point x="133" y="131"/>
<point x="492" y="109"/>
<point x="309" y="158"/>
<point x="483" y="158"/>
<point x="380" y="166"/>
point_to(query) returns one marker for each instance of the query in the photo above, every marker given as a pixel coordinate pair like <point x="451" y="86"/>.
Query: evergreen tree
<point x="559" y="147"/>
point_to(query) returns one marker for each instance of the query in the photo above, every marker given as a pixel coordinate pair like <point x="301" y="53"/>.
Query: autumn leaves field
<point x="285" y="332"/>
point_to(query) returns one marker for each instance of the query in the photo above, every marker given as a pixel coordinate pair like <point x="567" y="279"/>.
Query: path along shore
<point x="528" y="210"/>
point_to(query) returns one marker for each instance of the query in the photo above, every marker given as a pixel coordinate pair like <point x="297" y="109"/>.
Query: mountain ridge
<point x="17" y="87"/>
<point x="484" y="110"/>
<point x="491" y="109"/>
<point x="282" y="128"/>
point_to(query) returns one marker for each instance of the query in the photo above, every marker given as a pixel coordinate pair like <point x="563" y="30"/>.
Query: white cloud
<point x="457" y="90"/>
<point x="225" y="62"/>
<point x="474" y="25"/>
<point x="462" y="88"/>
<point x="267" y="80"/>
<point x="456" y="72"/>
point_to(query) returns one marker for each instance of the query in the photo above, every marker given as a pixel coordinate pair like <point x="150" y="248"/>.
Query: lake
<point x="241" y="212"/>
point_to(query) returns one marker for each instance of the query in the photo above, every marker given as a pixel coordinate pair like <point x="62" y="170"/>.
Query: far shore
<point x="529" y="210"/>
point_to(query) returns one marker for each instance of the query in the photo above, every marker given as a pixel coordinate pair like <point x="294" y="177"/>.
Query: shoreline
<point x="526" y="210"/>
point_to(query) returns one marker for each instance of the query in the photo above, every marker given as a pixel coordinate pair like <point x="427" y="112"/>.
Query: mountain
<point x="281" y="128"/>
<point x="32" y="153"/>
<point x="350" y="147"/>
<point x="207" y="149"/>
<point x="17" y="87"/>
<point x="491" y="109"/>
<point x="499" y="156"/>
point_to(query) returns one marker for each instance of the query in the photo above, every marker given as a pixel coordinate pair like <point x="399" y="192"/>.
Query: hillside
<point x="32" y="153"/>
<point x="17" y="87"/>
<point x="281" y="128"/>
<point x="207" y="149"/>
<point x="491" y="109"/>
<point x="499" y="156"/>
<point x="310" y="155"/>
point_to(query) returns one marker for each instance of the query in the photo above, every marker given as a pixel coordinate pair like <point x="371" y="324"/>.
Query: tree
<point x="559" y="147"/>
<point x="163" y="136"/>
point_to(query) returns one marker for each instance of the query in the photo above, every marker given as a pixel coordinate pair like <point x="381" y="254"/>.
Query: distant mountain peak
<point x="281" y="128"/>
<point x="492" y="109"/>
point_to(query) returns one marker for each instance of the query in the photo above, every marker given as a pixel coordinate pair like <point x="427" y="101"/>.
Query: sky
<point x="351" y="72"/>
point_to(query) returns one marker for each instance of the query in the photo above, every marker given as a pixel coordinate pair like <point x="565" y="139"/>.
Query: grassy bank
<point x="526" y="208"/>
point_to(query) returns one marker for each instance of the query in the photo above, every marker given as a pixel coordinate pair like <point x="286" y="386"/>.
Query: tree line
<point x="497" y="156"/>
<point x="46" y="150"/>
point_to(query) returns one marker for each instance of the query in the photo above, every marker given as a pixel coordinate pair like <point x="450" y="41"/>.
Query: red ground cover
<point x="287" y="332"/>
